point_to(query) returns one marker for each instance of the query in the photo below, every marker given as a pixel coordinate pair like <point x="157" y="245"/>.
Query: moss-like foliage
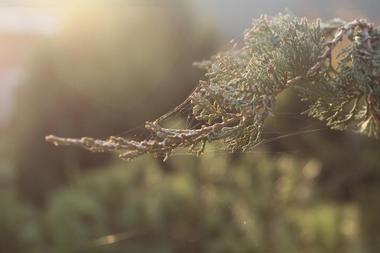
<point x="342" y="87"/>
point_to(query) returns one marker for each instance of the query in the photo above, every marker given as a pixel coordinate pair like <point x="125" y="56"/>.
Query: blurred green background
<point x="101" y="68"/>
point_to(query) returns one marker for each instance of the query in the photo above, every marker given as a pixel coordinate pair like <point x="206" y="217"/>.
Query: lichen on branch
<point x="241" y="85"/>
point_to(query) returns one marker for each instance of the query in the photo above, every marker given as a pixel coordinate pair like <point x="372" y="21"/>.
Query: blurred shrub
<point x="73" y="219"/>
<point x="260" y="204"/>
<point x="110" y="68"/>
<point x="19" y="227"/>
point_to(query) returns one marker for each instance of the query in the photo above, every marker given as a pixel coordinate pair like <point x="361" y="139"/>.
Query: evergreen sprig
<point x="241" y="86"/>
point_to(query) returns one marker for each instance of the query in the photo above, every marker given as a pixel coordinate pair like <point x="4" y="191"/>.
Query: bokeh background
<point x="99" y="68"/>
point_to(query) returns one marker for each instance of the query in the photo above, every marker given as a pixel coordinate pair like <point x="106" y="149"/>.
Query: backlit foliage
<point x="241" y="85"/>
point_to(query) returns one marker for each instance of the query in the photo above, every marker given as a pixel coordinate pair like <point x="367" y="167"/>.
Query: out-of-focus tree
<point x="111" y="66"/>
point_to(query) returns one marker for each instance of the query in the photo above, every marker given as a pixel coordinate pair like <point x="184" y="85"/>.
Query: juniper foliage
<point x="341" y="87"/>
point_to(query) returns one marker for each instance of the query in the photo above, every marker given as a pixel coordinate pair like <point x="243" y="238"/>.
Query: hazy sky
<point x="236" y="15"/>
<point x="233" y="16"/>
